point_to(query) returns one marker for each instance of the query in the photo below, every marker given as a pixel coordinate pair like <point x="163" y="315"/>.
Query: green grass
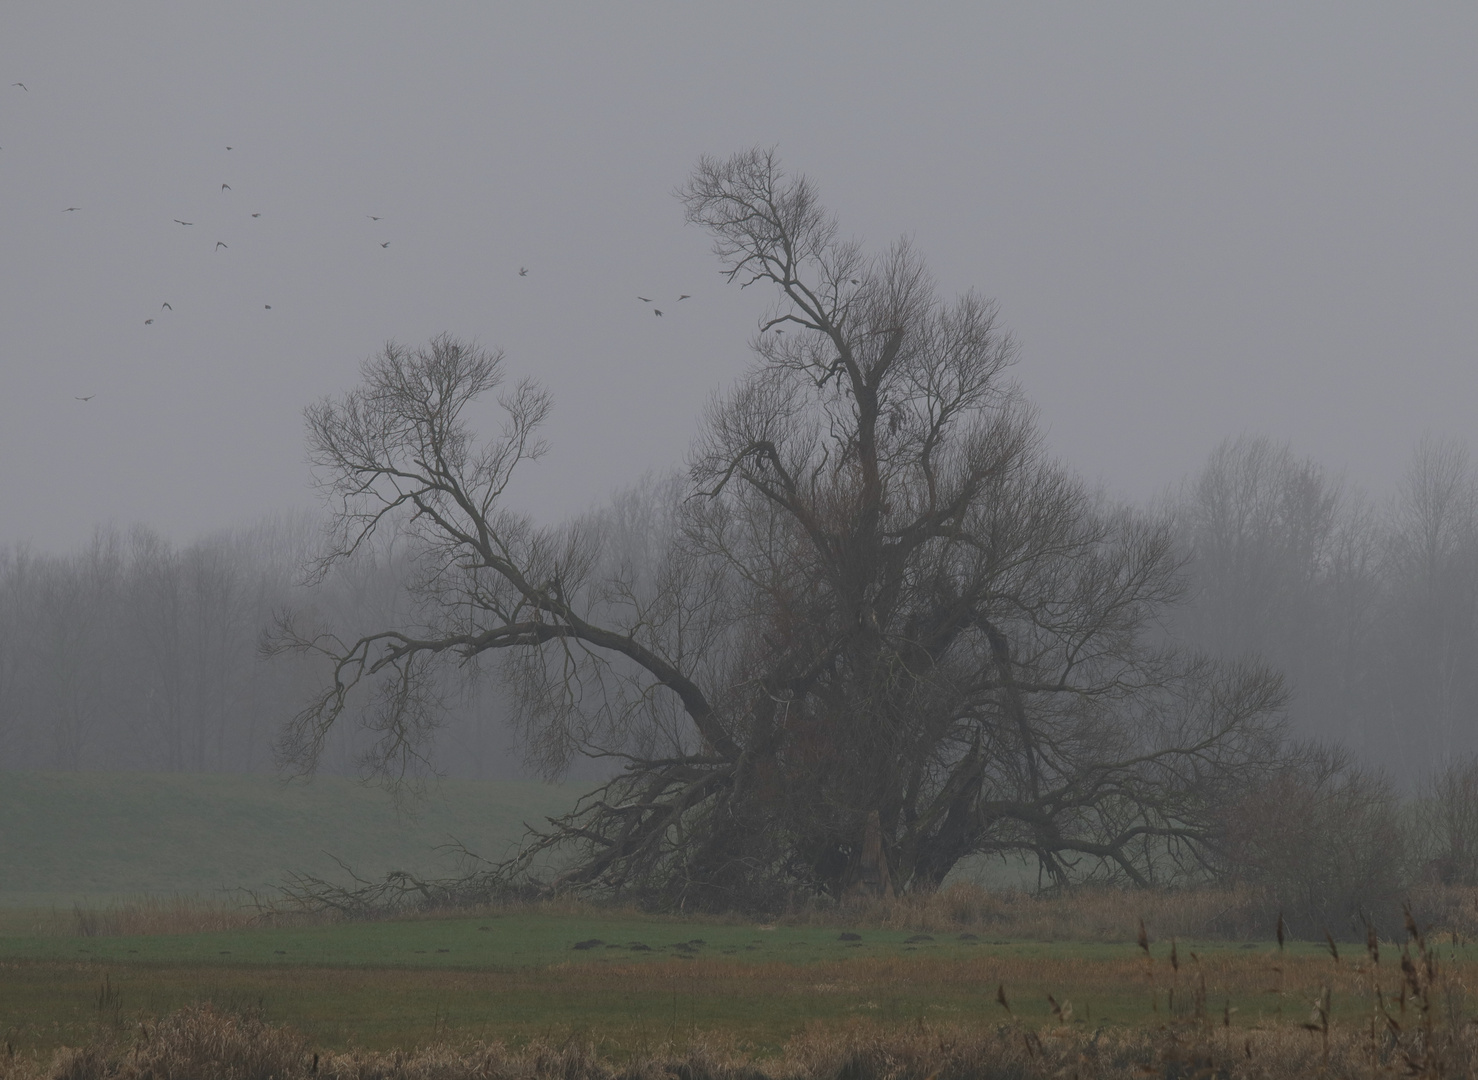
<point x="515" y="976"/>
<point x="80" y="837"/>
<point x="500" y="941"/>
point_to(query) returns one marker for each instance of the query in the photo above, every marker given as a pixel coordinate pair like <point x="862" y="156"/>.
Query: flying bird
<point x="27" y="89"/>
<point x="166" y="304"/>
<point x="228" y="148"/>
<point x="523" y="271"/>
<point x="267" y="306"/>
<point x="89" y="397"/>
<point x="69" y="209"/>
<point x="225" y="187"/>
<point x="645" y="299"/>
<point x="148" y="322"/>
<point x="372" y="217"/>
<point x="257" y="214"/>
<point x="177" y="221"/>
<point x="685" y="296"/>
<point x="657" y="312"/>
<point x="222" y="244"/>
<point x="385" y="244"/>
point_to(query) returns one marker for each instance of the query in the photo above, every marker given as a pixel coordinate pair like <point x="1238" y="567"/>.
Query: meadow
<point x="96" y="837"/>
<point x="617" y="988"/>
<point x="968" y="982"/>
<point x="628" y="982"/>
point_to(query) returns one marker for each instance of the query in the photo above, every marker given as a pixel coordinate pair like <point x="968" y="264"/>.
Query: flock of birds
<point x="219" y="245"/>
<point x="222" y="245"/>
<point x="658" y="311"/>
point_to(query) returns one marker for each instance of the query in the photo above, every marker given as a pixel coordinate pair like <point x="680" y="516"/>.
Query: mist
<point x="131" y="652"/>
<point x="1201" y="225"/>
<point x="1198" y="222"/>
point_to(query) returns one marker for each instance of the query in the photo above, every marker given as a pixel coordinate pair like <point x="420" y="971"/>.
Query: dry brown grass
<point x="1381" y="1011"/>
<point x="1113" y="914"/>
<point x="205" y="1044"/>
<point x="1101" y="915"/>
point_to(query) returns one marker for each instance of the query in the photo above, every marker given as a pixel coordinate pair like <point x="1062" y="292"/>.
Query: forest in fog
<point x="134" y="653"/>
<point x="137" y="653"/>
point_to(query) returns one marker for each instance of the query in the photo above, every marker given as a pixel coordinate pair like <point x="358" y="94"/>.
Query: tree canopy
<point x="873" y="614"/>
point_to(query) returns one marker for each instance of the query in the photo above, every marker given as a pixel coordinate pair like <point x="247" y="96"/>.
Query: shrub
<point x="1324" y="842"/>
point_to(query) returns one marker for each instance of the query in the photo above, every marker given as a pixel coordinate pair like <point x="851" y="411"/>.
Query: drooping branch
<point x="875" y="600"/>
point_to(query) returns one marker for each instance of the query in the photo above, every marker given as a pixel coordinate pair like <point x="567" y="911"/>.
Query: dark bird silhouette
<point x="523" y="271"/>
<point x="645" y="299"/>
<point x="685" y="296"/>
<point x="222" y="244"/>
<point x="24" y="87"/>
<point x="267" y="306"/>
<point x="228" y="148"/>
<point x="166" y="304"/>
<point x="69" y="209"/>
<point x="385" y="244"/>
<point x="148" y="322"/>
<point x="257" y="214"/>
<point x="657" y="312"/>
<point x="225" y="187"/>
<point x="89" y="397"/>
<point x="177" y="221"/>
<point x="372" y="217"/>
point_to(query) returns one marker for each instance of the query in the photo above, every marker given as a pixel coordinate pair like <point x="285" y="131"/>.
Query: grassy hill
<point x="66" y="837"/>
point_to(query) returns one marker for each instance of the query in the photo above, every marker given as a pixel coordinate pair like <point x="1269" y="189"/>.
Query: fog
<point x="1202" y="224"/>
<point x="134" y="653"/>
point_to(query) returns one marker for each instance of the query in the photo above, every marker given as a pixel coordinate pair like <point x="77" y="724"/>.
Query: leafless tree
<point x="1323" y="837"/>
<point x="77" y="598"/>
<point x="1447" y="821"/>
<point x="1283" y="564"/>
<point x="873" y="595"/>
<point x="1431" y="677"/>
<point x="1260" y="526"/>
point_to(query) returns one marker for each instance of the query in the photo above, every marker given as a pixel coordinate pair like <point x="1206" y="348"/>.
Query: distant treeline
<point x="1368" y="606"/>
<point x="135" y="653"/>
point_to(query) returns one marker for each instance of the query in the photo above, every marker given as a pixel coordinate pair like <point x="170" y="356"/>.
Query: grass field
<point x="91" y="837"/>
<point x="117" y="909"/>
<point x="627" y="983"/>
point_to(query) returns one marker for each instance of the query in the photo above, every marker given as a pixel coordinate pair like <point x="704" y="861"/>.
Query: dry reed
<point x="205" y="1044"/>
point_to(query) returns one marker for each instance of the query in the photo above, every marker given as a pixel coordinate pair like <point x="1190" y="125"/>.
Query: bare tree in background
<point x="874" y="598"/>
<point x="1283" y="565"/>
<point x="1447" y="819"/>
<point x="1322" y="838"/>
<point x="76" y="604"/>
<point x="1261" y="526"/>
<point x="1431" y="643"/>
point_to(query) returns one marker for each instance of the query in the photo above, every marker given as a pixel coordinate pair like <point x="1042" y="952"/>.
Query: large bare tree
<point x="874" y="631"/>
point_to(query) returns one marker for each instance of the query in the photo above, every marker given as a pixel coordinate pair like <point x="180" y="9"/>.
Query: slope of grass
<point x="70" y="837"/>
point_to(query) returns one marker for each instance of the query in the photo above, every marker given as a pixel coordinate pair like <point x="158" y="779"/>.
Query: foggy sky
<point x="1197" y="220"/>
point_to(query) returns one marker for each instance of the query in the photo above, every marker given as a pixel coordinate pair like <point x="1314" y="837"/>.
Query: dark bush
<point x="1324" y="842"/>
